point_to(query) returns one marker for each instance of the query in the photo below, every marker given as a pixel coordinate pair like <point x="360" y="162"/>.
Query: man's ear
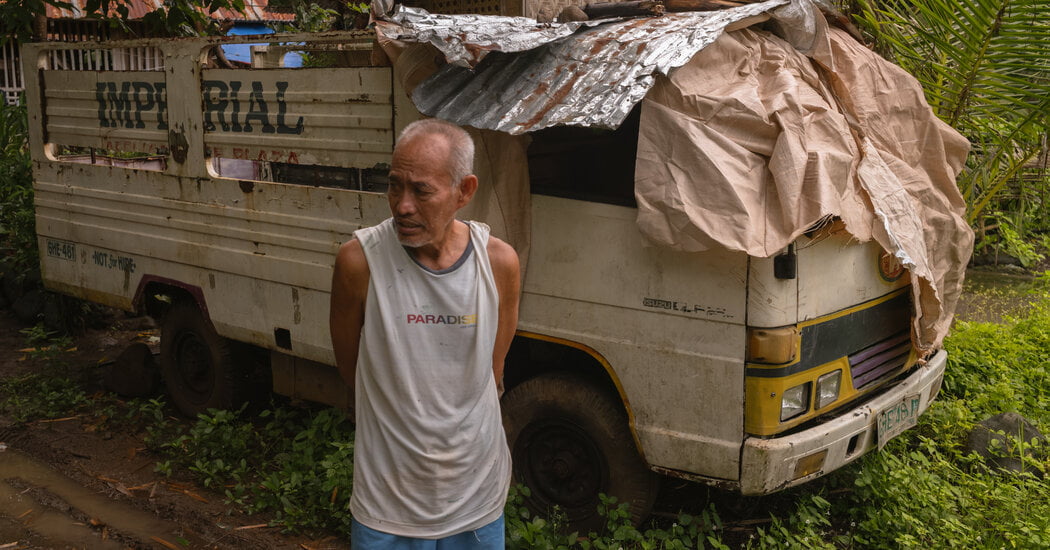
<point x="467" y="188"/>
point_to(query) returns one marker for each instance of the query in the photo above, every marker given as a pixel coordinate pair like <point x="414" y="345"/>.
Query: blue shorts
<point x="488" y="537"/>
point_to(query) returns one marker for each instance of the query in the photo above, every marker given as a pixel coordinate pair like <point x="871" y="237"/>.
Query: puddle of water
<point x="60" y="527"/>
<point x="52" y="525"/>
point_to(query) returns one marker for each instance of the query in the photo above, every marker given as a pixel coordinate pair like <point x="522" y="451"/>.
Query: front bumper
<point x="769" y="465"/>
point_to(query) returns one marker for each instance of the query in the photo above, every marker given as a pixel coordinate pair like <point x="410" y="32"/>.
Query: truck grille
<point x="879" y="360"/>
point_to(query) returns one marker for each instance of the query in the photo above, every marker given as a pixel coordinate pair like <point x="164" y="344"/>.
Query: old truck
<point x="750" y="372"/>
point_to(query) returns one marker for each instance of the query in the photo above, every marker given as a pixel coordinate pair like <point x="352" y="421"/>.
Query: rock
<point x="29" y="306"/>
<point x="134" y="373"/>
<point x="1007" y="429"/>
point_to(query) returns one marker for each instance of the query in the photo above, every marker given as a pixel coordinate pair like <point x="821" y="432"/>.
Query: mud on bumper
<point x="769" y="465"/>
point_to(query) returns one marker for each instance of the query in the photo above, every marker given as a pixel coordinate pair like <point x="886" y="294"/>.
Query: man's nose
<point x="405" y="204"/>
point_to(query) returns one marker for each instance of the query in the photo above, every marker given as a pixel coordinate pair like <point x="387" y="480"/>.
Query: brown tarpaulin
<point x="752" y="143"/>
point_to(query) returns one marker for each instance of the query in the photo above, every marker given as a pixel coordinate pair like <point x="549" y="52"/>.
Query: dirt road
<point x="73" y="483"/>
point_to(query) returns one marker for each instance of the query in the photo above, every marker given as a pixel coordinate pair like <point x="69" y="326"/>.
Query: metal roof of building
<point x="254" y="10"/>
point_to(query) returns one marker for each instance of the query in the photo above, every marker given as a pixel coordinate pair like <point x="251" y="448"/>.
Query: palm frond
<point x="985" y="68"/>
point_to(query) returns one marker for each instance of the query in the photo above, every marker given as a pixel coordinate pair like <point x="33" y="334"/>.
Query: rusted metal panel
<point x="119" y="110"/>
<point x="244" y="245"/>
<point x="245" y="248"/>
<point x="553" y="75"/>
<point x="341" y="117"/>
<point x="334" y="117"/>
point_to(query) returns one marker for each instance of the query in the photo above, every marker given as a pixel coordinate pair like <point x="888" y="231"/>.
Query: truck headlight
<point x="794" y="402"/>
<point x="828" y="388"/>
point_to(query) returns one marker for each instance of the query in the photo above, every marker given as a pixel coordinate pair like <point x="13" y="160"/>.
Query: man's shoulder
<point x="351" y="256"/>
<point x="502" y="256"/>
<point x="499" y="252"/>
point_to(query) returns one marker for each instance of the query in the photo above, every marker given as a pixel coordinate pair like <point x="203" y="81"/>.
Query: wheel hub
<point x="562" y="466"/>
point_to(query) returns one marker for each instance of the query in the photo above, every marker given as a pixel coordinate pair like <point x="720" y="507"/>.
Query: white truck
<point x="751" y="374"/>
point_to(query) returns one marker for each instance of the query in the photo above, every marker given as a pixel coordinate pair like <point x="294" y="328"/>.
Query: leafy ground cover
<point x="922" y="491"/>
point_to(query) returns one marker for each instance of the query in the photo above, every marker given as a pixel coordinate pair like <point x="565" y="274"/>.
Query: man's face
<point x="422" y="198"/>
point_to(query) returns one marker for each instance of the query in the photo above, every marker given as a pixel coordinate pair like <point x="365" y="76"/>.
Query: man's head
<point x="460" y="161"/>
<point x="430" y="179"/>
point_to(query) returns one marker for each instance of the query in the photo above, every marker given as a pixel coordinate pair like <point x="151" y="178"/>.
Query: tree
<point x="20" y="19"/>
<point x="985" y="69"/>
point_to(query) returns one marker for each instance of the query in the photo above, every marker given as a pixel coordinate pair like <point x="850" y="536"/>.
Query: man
<point x="424" y="307"/>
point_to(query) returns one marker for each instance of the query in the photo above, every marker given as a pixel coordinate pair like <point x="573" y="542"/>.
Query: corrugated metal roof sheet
<point x="254" y="10"/>
<point x="527" y="76"/>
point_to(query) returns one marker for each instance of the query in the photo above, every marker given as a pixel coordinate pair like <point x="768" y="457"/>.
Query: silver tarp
<point x="515" y="75"/>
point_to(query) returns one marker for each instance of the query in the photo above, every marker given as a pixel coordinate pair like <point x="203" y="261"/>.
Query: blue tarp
<point x="243" y="52"/>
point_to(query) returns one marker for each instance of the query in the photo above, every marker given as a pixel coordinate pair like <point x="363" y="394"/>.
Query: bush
<point x="292" y="463"/>
<point x="51" y="390"/>
<point x="17" y="222"/>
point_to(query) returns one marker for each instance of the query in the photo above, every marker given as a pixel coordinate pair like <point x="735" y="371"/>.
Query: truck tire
<point x="195" y="361"/>
<point x="569" y="441"/>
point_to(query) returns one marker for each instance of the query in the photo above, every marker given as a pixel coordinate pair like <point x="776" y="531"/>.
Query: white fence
<point x="124" y="59"/>
<point x="10" y="73"/>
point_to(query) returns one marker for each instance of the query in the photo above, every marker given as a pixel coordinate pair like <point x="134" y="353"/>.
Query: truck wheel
<point x="195" y="361"/>
<point x="570" y="441"/>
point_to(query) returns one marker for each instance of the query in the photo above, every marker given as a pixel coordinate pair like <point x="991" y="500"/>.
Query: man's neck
<point x="441" y="254"/>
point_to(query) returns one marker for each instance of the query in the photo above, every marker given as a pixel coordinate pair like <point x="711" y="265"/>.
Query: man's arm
<point x="506" y="271"/>
<point x="347" y="308"/>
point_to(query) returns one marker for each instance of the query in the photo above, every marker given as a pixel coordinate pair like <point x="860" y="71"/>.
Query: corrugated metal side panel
<point x="251" y="252"/>
<point x="333" y="117"/>
<point x="284" y="241"/>
<point x="106" y="109"/>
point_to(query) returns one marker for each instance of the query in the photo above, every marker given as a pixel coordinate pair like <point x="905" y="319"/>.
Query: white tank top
<point x="431" y="457"/>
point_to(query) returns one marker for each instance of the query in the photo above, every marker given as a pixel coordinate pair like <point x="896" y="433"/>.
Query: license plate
<point x="896" y="418"/>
